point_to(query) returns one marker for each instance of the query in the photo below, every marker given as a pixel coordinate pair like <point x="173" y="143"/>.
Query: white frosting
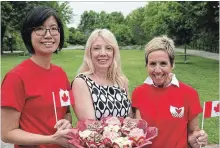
<point x="85" y="133"/>
<point x="121" y="141"/>
<point x="112" y="128"/>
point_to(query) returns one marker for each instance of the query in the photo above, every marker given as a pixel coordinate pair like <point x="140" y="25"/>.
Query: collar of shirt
<point x="174" y="81"/>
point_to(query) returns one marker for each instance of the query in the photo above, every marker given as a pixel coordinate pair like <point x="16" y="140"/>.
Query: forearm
<point x="20" y="137"/>
<point x="193" y="125"/>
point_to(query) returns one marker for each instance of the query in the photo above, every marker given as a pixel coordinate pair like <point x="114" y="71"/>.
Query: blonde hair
<point x="161" y="43"/>
<point x="115" y="73"/>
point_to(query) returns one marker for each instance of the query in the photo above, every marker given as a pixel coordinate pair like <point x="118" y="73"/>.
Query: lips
<point x="158" y="76"/>
<point x="48" y="44"/>
<point x="102" y="60"/>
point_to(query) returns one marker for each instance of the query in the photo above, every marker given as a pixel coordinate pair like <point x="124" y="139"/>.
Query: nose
<point x="47" y="33"/>
<point x="157" y="68"/>
<point x="102" y="51"/>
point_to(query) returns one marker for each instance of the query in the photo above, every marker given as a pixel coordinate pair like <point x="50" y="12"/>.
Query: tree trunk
<point x="185" y="51"/>
<point x="3" y="29"/>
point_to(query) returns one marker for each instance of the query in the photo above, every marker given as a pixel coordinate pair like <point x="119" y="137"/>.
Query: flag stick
<point x="203" y="114"/>
<point x="54" y="104"/>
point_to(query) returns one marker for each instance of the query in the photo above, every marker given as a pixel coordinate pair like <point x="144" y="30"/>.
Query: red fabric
<point x="154" y="105"/>
<point x="28" y="88"/>
<point x="208" y="109"/>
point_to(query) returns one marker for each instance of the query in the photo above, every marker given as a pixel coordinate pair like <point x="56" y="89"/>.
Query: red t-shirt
<point x="28" y="88"/>
<point x="169" y="109"/>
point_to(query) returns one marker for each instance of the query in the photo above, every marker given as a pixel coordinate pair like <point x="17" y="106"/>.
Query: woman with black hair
<point x="27" y="107"/>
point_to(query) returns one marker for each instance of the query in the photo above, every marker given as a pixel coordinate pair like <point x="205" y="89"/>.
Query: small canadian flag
<point x="212" y="109"/>
<point x="63" y="98"/>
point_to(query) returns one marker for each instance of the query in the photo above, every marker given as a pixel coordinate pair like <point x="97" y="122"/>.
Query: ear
<point x="173" y="65"/>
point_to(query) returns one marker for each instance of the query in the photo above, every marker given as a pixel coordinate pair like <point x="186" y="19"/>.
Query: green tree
<point x="77" y="38"/>
<point x="122" y="33"/>
<point x="88" y="21"/>
<point x="135" y="20"/>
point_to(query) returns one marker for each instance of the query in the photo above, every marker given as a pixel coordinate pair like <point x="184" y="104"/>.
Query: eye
<point x="152" y="64"/>
<point x="54" y="28"/>
<point x="96" y="48"/>
<point x="163" y="63"/>
<point x="39" y="28"/>
<point x="109" y="48"/>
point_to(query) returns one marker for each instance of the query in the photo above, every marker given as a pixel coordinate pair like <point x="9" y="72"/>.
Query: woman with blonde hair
<point x="166" y="103"/>
<point x="100" y="85"/>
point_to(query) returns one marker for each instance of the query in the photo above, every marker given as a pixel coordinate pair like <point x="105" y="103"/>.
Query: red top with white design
<point x="28" y="88"/>
<point x="169" y="109"/>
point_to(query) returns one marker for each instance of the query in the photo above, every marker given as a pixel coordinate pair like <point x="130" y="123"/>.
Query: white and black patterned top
<point x="107" y="100"/>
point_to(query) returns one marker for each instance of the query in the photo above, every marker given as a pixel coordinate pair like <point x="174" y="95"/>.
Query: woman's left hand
<point x="63" y="124"/>
<point x="198" y="138"/>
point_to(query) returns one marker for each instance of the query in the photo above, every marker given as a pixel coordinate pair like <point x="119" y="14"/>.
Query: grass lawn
<point x="200" y="73"/>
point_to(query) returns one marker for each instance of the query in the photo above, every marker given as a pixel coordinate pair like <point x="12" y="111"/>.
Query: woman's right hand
<point x="63" y="124"/>
<point x="61" y="137"/>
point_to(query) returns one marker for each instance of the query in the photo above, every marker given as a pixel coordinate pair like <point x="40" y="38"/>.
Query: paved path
<point x="200" y="53"/>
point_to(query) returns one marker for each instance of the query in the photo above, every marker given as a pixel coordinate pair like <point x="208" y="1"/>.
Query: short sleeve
<point x="194" y="104"/>
<point x="68" y="84"/>
<point x="12" y="92"/>
<point x="135" y="98"/>
<point x="72" y="102"/>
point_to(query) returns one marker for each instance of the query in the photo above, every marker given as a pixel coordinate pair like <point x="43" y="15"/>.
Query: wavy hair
<point x="115" y="73"/>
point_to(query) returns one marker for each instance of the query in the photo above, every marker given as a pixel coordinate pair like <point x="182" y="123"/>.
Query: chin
<point x="103" y="65"/>
<point x="159" y="84"/>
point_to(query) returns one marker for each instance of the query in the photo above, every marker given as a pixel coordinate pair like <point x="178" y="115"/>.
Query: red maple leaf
<point x="65" y="98"/>
<point x="216" y="108"/>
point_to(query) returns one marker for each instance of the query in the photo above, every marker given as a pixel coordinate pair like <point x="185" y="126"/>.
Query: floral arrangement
<point x="112" y="132"/>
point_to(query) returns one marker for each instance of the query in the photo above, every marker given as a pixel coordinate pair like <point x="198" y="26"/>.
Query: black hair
<point x="35" y="18"/>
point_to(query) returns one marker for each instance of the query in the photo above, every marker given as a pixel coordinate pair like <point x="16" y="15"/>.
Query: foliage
<point x="187" y="22"/>
<point x="77" y="37"/>
<point x="113" y="21"/>
<point x="134" y="21"/>
<point x="122" y="33"/>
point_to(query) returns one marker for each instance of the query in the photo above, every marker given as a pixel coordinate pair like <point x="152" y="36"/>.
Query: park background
<point x="192" y="25"/>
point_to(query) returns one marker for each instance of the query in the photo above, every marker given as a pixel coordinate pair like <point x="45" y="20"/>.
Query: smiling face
<point x="47" y="44"/>
<point x="102" y="54"/>
<point x="159" y="67"/>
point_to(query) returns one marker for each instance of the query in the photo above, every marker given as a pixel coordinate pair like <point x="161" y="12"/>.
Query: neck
<point x="42" y="61"/>
<point x="101" y="74"/>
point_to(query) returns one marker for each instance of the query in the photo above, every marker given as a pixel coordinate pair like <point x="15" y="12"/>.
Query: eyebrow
<point x="96" y="45"/>
<point x="50" y="25"/>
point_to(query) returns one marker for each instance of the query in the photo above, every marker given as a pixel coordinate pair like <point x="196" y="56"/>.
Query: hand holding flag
<point x="210" y="109"/>
<point x="63" y="98"/>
